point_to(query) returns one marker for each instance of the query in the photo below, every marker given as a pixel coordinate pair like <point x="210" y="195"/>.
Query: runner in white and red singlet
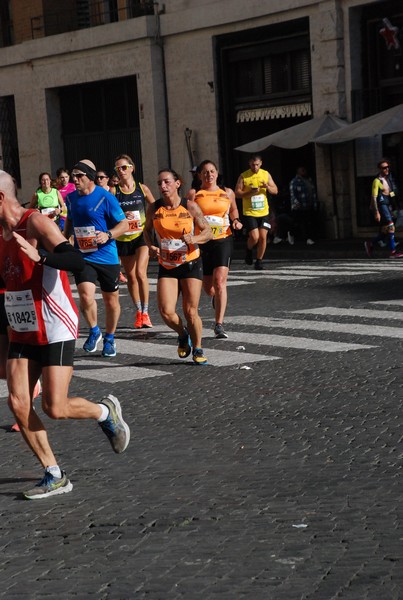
<point x="43" y="319"/>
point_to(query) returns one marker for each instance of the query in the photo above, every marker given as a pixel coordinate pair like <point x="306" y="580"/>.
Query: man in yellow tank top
<point x="254" y="187"/>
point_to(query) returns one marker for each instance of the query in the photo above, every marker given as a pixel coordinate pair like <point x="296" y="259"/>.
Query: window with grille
<point x="273" y="71"/>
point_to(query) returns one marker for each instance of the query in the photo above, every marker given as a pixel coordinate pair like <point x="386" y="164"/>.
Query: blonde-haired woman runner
<point x="134" y="197"/>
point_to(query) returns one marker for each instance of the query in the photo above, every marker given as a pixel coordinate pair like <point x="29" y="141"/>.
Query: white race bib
<point x="218" y="224"/>
<point x="173" y="251"/>
<point x="258" y="201"/>
<point x="20" y="310"/>
<point x="86" y="238"/>
<point x="134" y="223"/>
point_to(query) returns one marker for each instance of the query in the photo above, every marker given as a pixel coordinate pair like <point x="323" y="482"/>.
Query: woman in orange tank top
<point x="218" y="205"/>
<point x="174" y="221"/>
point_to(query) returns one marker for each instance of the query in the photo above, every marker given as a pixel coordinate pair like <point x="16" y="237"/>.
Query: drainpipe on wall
<point x="160" y="43"/>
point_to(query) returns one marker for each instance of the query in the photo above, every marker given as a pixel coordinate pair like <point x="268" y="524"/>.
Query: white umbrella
<point x="382" y="123"/>
<point x="297" y="135"/>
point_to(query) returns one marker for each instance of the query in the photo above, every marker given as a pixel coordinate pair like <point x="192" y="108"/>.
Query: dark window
<point x="275" y="70"/>
<point x="92" y="109"/>
<point x="247" y="78"/>
<point x="6" y="26"/>
<point x="101" y="120"/>
<point x="100" y="106"/>
<point x="276" y="74"/>
<point x="300" y="70"/>
<point x="8" y="137"/>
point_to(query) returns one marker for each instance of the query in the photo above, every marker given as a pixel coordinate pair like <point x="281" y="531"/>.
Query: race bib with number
<point x="135" y="223"/>
<point x="47" y="211"/>
<point x="20" y="310"/>
<point x="173" y="251"/>
<point x="258" y="201"/>
<point x="218" y="225"/>
<point x="86" y="238"/>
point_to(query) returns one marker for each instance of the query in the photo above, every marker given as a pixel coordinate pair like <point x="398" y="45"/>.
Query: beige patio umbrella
<point x="297" y="135"/>
<point x="382" y="123"/>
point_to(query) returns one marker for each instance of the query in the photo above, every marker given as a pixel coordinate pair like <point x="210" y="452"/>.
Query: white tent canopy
<point x="297" y="135"/>
<point x="382" y="123"/>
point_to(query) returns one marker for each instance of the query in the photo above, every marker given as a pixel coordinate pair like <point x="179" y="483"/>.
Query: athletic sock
<point x="105" y="412"/>
<point x="55" y="471"/>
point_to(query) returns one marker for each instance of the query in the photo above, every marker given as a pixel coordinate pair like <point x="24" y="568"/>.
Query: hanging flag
<point x="389" y="33"/>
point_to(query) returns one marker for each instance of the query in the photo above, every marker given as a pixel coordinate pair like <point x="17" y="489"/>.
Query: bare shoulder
<point x="44" y="230"/>
<point x="148" y="194"/>
<point x="230" y="192"/>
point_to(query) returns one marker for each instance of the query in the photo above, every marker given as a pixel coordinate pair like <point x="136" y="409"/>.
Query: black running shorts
<point x="107" y="275"/>
<point x="189" y="270"/>
<point x="216" y="253"/>
<point x="58" y="354"/>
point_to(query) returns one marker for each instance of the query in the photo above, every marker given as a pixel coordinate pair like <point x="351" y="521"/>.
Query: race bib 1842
<point x="20" y="310"/>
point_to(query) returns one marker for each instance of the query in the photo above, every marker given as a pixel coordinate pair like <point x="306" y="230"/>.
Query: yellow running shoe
<point x="198" y="357"/>
<point x="184" y="344"/>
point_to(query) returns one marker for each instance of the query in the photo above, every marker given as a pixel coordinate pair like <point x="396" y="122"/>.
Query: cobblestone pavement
<point x="273" y="473"/>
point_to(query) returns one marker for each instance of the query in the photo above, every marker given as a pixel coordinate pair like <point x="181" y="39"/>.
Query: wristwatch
<point x="109" y="234"/>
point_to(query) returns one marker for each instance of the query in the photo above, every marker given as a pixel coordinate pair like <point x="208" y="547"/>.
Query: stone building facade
<point x="177" y="82"/>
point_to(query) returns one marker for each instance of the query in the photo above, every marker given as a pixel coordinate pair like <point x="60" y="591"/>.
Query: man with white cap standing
<point x="96" y="219"/>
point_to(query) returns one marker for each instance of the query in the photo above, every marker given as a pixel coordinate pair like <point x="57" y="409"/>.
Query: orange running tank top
<point x="215" y="206"/>
<point x="170" y="225"/>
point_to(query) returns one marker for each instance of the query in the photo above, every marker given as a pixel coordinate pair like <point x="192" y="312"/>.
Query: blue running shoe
<point x="109" y="348"/>
<point x="91" y="343"/>
<point x="184" y="344"/>
<point x="49" y="486"/>
<point x="114" y="427"/>
<point x="198" y="357"/>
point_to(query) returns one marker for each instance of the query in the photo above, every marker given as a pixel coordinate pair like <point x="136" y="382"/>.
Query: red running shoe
<point x="146" y="321"/>
<point x="138" y="323"/>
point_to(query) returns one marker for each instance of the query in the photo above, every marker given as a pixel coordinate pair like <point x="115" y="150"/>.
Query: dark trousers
<point x="304" y="221"/>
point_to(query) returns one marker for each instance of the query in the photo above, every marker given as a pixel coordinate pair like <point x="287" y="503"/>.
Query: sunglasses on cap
<point x="122" y="168"/>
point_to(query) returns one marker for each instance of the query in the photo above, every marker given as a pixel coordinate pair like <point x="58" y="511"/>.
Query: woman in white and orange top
<point x="174" y="221"/>
<point x="218" y="205"/>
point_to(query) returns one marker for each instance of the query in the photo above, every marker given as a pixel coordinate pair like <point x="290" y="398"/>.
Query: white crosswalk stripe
<point x="112" y="372"/>
<point x="307" y="271"/>
<point x="217" y="358"/>
<point x="283" y="341"/>
<point x="352" y="312"/>
<point x="323" y="326"/>
<point x="240" y="349"/>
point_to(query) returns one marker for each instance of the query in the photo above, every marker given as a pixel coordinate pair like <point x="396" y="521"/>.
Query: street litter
<point x="300" y="526"/>
<point x="240" y="348"/>
<point x="245" y="367"/>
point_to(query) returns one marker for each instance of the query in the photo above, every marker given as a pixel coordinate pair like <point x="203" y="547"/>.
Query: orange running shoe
<point x="37" y="389"/>
<point x="146" y="321"/>
<point x="138" y="323"/>
<point x="122" y="278"/>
